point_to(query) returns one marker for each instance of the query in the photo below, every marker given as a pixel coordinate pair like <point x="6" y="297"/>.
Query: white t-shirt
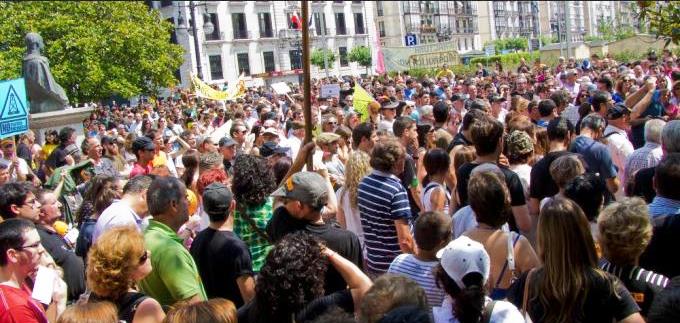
<point x="503" y="312"/>
<point x="117" y="214"/>
<point x="352" y="219"/>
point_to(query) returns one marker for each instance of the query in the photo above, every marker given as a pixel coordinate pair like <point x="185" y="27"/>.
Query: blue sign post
<point x="13" y="108"/>
<point x="411" y="40"/>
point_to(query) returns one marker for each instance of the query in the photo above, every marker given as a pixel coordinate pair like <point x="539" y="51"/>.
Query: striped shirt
<point x="381" y="200"/>
<point x="647" y="156"/>
<point x="421" y="271"/>
<point x="663" y="206"/>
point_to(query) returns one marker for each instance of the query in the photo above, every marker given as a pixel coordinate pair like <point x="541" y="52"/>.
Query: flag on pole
<point x="360" y="101"/>
<point x="295" y="22"/>
<point x="378" y="58"/>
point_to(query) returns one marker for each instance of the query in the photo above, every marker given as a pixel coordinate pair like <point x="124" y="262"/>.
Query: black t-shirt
<point x="458" y="140"/>
<point x="642" y="184"/>
<point x="344" y="242"/>
<point x="642" y="284"/>
<point x="57" y="158"/>
<point x="542" y="185"/>
<point x="64" y="257"/>
<point x="407" y="178"/>
<point x="602" y="303"/>
<point x="251" y="312"/>
<point x="221" y="258"/>
<point x="660" y="253"/>
<point x="511" y="179"/>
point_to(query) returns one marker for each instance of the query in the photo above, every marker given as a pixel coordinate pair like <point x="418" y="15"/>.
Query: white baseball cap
<point x="464" y="256"/>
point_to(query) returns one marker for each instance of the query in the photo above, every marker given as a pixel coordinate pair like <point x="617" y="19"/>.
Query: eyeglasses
<point x="8" y="146"/>
<point x="31" y="246"/>
<point x="31" y="203"/>
<point x="332" y="123"/>
<point x="144" y="257"/>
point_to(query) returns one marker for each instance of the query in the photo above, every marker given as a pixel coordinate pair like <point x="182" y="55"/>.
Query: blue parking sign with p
<point x="13" y="108"/>
<point x="411" y="40"/>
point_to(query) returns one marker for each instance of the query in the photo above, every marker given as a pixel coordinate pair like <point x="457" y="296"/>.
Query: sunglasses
<point x="144" y="257"/>
<point x="7" y="146"/>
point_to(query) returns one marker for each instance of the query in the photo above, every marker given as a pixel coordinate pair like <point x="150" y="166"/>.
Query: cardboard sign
<point x="281" y="88"/>
<point x="13" y="108"/>
<point x="330" y="90"/>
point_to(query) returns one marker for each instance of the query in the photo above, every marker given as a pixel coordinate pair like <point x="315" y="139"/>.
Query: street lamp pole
<point x="199" y="69"/>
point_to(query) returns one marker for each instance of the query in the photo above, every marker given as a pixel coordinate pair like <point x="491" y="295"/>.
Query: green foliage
<point x="361" y="55"/>
<point x="519" y="43"/>
<point x="95" y="49"/>
<point x="608" y="32"/>
<point x="663" y="18"/>
<point x="629" y="56"/>
<point x="507" y="60"/>
<point x="317" y="57"/>
<point x="546" y="39"/>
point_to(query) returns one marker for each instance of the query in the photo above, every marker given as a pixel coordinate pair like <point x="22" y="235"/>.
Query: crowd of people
<point x="541" y="194"/>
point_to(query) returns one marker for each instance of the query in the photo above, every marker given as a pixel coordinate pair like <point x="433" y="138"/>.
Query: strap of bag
<point x="525" y="298"/>
<point x="486" y="313"/>
<point x="252" y="224"/>
<point x="511" y="250"/>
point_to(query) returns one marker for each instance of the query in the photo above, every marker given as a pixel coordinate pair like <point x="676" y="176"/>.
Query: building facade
<point x="427" y="22"/>
<point x="255" y="38"/>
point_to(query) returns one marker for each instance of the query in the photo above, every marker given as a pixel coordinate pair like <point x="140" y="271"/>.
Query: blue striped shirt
<point x="421" y="272"/>
<point x="381" y="200"/>
<point x="663" y="206"/>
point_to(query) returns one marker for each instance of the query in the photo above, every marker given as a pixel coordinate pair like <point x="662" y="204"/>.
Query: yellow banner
<point x="204" y="90"/>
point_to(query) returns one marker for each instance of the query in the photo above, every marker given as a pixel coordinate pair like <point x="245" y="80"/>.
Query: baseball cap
<point x="270" y="148"/>
<point x="617" y="111"/>
<point x="216" y="199"/>
<point x="142" y="143"/>
<point x="464" y="256"/>
<point x="227" y="142"/>
<point x="270" y="131"/>
<point x="519" y="143"/>
<point x="327" y="138"/>
<point x="306" y="187"/>
<point x="108" y="140"/>
<point x="4" y="163"/>
<point x="497" y="98"/>
<point x="388" y="104"/>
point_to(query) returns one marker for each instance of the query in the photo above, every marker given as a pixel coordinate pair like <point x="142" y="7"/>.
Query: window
<point x="269" y="65"/>
<point x="238" y="23"/>
<point x="320" y="23"/>
<point x="343" y="56"/>
<point x="379" y="6"/>
<point x="243" y="63"/>
<point x="340" y="28"/>
<point x="359" y="23"/>
<point x="295" y="59"/>
<point x="173" y="35"/>
<point x="216" y="33"/>
<point x="166" y="3"/>
<point x="265" y="21"/>
<point x="215" y="67"/>
<point x="381" y="28"/>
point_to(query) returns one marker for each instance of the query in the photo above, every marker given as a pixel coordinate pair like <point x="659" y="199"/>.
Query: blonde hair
<point x="111" y="261"/>
<point x="90" y="312"/>
<point x="566" y="168"/>
<point x="216" y="310"/>
<point x="625" y="230"/>
<point x="357" y="166"/>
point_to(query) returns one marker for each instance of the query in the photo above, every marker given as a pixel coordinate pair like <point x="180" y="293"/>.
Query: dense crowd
<point x="542" y="194"/>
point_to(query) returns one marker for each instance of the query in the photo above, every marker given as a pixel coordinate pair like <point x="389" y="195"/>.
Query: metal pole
<point x="568" y="27"/>
<point x="325" y="56"/>
<point x="199" y="70"/>
<point x="307" y="86"/>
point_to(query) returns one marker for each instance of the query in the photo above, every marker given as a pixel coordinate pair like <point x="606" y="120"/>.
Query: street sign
<point x="13" y="108"/>
<point x="490" y="50"/>
<point x="411" y="40"/>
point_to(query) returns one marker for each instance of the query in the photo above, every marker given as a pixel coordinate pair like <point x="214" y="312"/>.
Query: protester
<point x="389" y="293"/>
<point x="217" y="310"/>
<point x="131" y="209"/>
<point x="90" y="312"/>
<point x="116" y="264"/>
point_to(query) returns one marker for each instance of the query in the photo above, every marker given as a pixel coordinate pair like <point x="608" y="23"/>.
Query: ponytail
<point x="468" y="302"/>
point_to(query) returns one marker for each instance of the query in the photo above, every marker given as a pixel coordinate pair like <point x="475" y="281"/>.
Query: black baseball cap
<point x="216" y="199"/>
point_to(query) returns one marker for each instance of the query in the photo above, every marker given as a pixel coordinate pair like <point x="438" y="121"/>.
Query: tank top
<point x="425" y="196"/>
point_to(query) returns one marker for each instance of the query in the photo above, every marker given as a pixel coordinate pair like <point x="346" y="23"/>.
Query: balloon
<point x="61" y="227"/>
<point x="193" y="202"/>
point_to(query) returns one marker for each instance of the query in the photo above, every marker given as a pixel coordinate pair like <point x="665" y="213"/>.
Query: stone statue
<point x="44" y="94"/>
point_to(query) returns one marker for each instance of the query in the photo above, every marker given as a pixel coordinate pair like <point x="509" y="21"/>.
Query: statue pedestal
<point x="41" y="122"/>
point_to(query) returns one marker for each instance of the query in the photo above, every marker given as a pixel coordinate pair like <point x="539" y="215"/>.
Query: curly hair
<point x="625" y="230"/>
<point x="111" y="261"/>
<point x="386" y="153"/>
<point x="98" y="184"/>
<point x="388" y="292"/>
<point x="565" y="168"/>
<point x="358" y="165"/>
<point x="253" y="180"/>
<point x="292" y="276"/>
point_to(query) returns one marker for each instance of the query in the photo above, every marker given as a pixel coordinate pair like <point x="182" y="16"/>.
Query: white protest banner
<point x="420" y="56"/>
<point x="330" y="90"/>
<point x="281" y="88"/>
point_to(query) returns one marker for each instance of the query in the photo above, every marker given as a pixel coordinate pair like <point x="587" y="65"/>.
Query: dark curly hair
<point x="253" y="180"/>
<point x="292" y="276"/>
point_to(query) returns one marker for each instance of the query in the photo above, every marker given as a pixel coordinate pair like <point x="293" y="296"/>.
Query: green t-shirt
<point x="174" y="276"/>
<point x="258" y="246"/>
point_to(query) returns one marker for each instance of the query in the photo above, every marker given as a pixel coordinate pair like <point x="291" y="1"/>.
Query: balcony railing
<point x="242" y="34"/>
<point x="215" y="36"/>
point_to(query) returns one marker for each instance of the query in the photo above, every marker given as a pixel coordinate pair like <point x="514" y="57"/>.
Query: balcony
<point x="412" y="28"/>
<point x="242" y="35"/>
<point x="215" y="37"/>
